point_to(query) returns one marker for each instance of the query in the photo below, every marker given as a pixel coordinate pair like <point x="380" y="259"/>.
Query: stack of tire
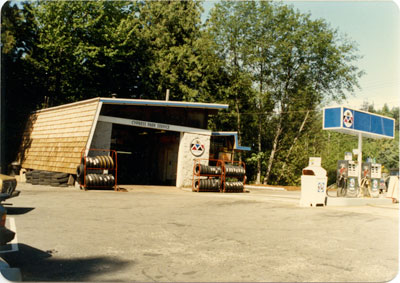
<point x="46" y="178"/>
<point x="234" y="187"/>
<point x="59" y="179"/>
<point x="102" y="161"/>
<point x="207" y="185"/>
<point x="233" y="172"/>
<point x="99" y="180"/>
<point x="90" y="172"/>
<point x="213" y="181"/>
<point x="201" y="169"/>
<point x="33" y="177"/>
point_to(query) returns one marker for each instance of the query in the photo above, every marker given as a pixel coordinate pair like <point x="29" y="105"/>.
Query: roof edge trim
<point x="146" y="102"/>
<point x="67" y="105"/>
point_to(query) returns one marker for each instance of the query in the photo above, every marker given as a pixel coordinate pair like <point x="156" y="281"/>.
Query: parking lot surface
<point x="168" y="234"/>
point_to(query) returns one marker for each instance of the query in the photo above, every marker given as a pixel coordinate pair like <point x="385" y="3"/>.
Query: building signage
<point x="152" y="125"/>
<point x="351" y="121"/>
<point x="197" y="148"/>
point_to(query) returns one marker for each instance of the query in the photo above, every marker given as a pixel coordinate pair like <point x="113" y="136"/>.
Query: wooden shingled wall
<point x="55" y="137"/>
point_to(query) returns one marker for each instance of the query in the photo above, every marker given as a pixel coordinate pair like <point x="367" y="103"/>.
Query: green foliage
<point x="273" y="65"/>
<point x="294" y="64"/>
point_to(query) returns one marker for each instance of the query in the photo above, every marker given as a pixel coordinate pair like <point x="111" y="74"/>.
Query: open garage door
<point x="145" y="156"/>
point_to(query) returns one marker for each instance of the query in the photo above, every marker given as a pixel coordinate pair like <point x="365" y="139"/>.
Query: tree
<point x="85" y="48"/>
<point x="295" y="64"/>
<point x="228" y="27"/>
<point x="172" y="30"/>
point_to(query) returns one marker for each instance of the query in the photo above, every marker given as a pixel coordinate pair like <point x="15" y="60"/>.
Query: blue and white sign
<point x="351" y="121"/>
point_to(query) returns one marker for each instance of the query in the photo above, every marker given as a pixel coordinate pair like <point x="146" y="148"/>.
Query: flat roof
<point x="163" y="103"/>
<point x="141" y="102"/>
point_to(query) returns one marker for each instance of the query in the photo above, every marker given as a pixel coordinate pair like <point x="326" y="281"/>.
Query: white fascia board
<point x="153" y="125"/>
<point x="94" y="125"/>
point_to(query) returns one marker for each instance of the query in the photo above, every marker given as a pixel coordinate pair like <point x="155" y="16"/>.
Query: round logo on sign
<point x="352" y="183"/>
<point x="348" y="118"/>
<point x="197" y="147"/>
<point x="375" y="184"/>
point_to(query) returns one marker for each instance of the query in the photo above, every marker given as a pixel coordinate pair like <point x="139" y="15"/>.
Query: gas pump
<point x="371" y="175"/>
<point x="376" y="175"/>
<point x="346" y="178"/>
<point x="365" y="185"/>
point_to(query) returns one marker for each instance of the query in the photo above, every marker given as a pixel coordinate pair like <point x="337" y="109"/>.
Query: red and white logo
<point x="348" y="118"/>
<point x="197" y="147"/>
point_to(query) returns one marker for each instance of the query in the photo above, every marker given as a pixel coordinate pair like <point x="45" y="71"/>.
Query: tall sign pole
<point x="359" y="157"/>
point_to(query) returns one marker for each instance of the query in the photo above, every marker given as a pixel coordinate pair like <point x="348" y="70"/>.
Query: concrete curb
<point x="264" y="188"/>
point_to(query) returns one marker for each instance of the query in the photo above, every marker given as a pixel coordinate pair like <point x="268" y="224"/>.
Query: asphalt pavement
<point x="163" y="234"/>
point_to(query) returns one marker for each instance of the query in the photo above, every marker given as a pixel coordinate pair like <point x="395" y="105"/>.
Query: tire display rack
<point x="98" y="169"/>
<point x="223" y="176"/>
<point x="234" y="177"/>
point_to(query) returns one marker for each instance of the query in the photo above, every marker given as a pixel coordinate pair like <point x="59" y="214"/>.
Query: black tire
<point x="88" y="180"/>
<point x="88" y="162"/>
<point x="110" y="159"/>
<point x="60" y="180"/>
<point x="99" y="161"/>
<point x="98" y="181"/>
<point x="106" y="162"/>
<point x="61" y="175"/>
<point x="112" y="180"/>
<point x="201" y="185"/>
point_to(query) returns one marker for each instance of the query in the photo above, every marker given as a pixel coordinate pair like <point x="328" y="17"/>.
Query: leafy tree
<point x="295" y="64"/>
<point x="85" y="48"/>
<point x="228" y="27"/>
<point x="172" y="30"/>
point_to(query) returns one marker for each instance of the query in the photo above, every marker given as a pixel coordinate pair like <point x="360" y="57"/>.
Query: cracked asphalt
<point x="150" y="234"/>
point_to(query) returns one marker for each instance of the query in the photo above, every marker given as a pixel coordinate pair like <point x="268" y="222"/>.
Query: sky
<point x="375" y="28"/>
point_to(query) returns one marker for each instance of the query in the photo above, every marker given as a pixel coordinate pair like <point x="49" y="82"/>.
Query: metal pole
<point x="359" y="158"/>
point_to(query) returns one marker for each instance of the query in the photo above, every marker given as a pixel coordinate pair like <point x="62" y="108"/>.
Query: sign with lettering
<point x="351" y="121"/>
<point x="153" y="125"/>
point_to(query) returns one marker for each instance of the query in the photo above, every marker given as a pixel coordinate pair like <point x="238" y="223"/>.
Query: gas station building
<point x="156" y="141"/>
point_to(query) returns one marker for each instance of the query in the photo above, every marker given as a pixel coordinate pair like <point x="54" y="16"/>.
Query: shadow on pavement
<point x="12" y="210"/>
<point x="38" y="265"/>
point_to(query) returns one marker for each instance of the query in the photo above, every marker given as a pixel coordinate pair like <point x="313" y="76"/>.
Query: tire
<point x="61" y="175"/>
<point x="60" y="180"/>
<point x="105" y="160"/>
<point x="88" y="162"/>
<point x="111" y="162"/>
<point x="112" y="180"/>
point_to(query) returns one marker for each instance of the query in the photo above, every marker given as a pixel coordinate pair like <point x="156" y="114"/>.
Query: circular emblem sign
<point x="348" y="118"/>
<point x="352" y="183"/>
<point x="374" y="184"/>
<point x="197" y="147"/>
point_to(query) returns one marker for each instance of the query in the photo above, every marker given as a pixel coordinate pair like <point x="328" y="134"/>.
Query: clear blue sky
<point x="375" y="27"/>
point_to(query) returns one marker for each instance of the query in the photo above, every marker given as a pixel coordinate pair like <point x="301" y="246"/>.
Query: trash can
<point x="313" y="184"/>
